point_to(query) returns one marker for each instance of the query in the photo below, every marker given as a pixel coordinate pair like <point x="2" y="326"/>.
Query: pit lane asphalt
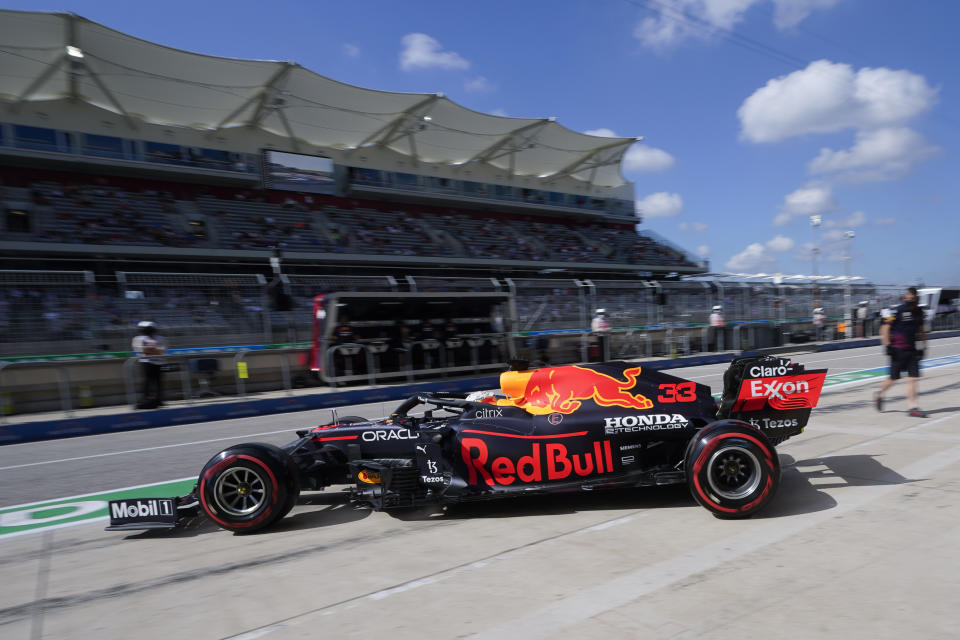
<point x="865" y="525"/>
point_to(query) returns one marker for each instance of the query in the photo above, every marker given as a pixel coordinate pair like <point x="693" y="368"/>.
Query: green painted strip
<point x="79" y="509"/>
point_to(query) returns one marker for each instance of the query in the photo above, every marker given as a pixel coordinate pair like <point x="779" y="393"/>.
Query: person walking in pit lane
<point x="150" y="347"/>
<point x="904" y="340"/>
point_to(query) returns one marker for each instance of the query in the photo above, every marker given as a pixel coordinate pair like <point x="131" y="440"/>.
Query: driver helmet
<point x="488" y="397"/>
<point x="717" y="307"/>
<point x="601" y="312"/>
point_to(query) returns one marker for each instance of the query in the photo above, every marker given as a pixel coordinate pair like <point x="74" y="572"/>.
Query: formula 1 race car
<point x="558" y="429"/>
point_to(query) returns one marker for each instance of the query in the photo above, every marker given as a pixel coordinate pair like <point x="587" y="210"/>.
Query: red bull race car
<point x="558" y="429"/>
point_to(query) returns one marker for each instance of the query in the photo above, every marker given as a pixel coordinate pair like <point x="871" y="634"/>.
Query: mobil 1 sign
<point x="65" y="512"/>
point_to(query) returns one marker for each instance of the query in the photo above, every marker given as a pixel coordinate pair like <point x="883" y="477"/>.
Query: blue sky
<point x="756" y="114"/>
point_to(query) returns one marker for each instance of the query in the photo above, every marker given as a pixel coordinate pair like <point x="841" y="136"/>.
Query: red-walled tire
<point x="732" y="469"/>
<point x="248" y="487"/>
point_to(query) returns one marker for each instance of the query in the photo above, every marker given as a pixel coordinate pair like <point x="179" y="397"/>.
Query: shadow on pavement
<point x="803" y="482"/>
<point x="558" y="504"/>
<point x="801" y="491"/>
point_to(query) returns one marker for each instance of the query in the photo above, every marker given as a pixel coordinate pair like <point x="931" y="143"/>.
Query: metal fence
<point x="58" y="312"/>
<point x="45" y="307"/>
<point x="548" y="304"/>
<point x="197" y="309"/>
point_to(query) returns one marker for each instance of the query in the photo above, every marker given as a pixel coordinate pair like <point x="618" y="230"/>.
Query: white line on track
<point x="95" y="493"/>
<point x="162" y="446"/>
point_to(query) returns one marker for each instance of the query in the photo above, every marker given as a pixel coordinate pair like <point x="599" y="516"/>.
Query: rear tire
<point x="732" y="469"/>
<point x="248" y="487"/>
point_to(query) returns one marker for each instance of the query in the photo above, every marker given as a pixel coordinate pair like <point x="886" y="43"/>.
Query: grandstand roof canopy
<point x="56" y="56"/>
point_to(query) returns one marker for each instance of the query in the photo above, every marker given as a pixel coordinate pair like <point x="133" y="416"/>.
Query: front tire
<point x="248" y="487"/>
<point x="732" y="469"/>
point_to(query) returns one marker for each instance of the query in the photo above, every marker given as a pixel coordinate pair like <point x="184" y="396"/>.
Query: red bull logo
<point x="547" y="461"/>
<point x="561" y="389"/>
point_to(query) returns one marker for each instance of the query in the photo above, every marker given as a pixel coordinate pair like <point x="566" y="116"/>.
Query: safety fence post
<point x="241" y="386"/>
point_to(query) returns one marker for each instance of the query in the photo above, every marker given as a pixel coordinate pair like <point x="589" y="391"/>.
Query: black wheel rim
<point x="240" y="491"/>
<point x="733" y="472"/>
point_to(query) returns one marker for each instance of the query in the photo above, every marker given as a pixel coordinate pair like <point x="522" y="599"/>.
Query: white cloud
<point x="758" y="255"/>
<point x="351" y="50"/>
<point x="790" y="13"/>
<point x="882" y="222"/>
<point x="499" y="112"/>
<point x="753" y="257"/>
<point x="676" y="21"/>
<point x="602" y="132"/>
<point x="854" y="220"/>
<point x="878" y="154"/>
<point x="641" y="158"/>
<point x="827" y="97"/>
<point x="806" y="201"/>
<point x="660" y="205"/>
<point x="421" y="51"/>
<point x="478" y="84"/>
<point x="779" y="244"/>
<point x="703" y="251"/>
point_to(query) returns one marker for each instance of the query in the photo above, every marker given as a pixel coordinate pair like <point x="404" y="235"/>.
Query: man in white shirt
<point x="717" y="323"/>
<point x="820" y="324"/>
<point x="600" y="327"/>
<point x="150" y="347"/>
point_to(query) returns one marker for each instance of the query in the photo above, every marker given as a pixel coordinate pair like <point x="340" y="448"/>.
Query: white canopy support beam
<point x="593" y="159"/>
<point x="77" y="63"/>
<point x="113" y="101"/>
<point x="289" y="130"/>
<point x="263" y="98"/>
<point x="398" y="126"/>
<point x="38" y="82"/>
<point x="268" y="98"/>
<point x="527" y="132"/>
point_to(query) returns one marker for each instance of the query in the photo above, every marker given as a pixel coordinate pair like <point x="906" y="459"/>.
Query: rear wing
<point x="773" y="394"/>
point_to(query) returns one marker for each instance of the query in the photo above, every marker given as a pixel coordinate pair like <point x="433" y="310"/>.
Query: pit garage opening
<point x="369" y="337"/>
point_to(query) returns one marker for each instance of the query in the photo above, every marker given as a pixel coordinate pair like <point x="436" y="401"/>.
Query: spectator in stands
<point x="150" y="348"/>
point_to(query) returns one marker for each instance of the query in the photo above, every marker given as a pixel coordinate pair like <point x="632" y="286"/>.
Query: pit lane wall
<point x="242" y="408"/>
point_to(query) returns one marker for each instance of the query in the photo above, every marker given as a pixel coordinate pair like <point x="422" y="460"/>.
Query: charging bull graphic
<point x="560" y="389"/>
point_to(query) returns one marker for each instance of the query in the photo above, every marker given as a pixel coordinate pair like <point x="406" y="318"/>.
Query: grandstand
<point x="139" y="181"/>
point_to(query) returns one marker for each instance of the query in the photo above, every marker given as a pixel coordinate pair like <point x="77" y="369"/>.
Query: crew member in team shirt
<point x="904" y="340"/>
